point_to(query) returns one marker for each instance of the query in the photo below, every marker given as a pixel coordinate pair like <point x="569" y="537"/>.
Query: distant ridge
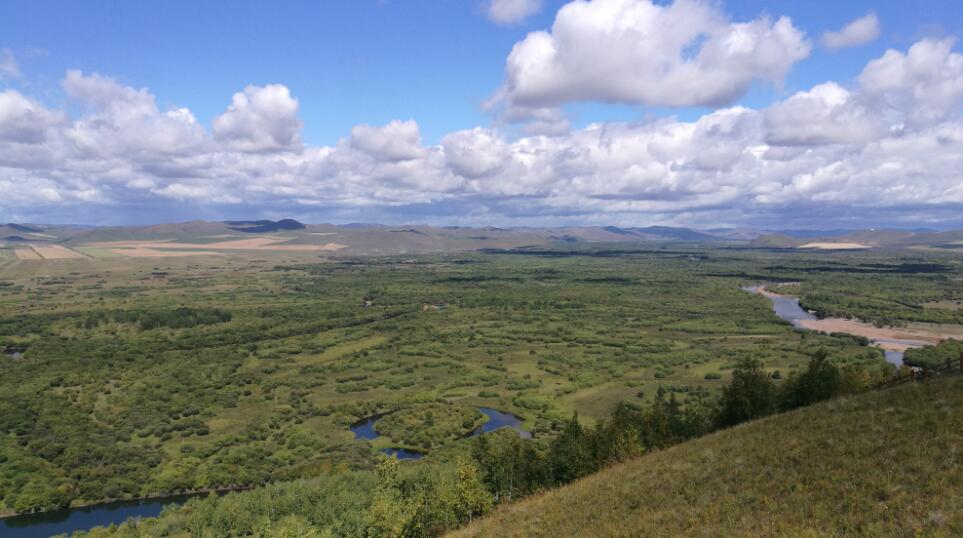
<point x="370" y="238"/>
<point x="617" y="230"/>
<point x="681" y="234"/>
<point x="263" y="226"/>
<point x="23" y="228"/>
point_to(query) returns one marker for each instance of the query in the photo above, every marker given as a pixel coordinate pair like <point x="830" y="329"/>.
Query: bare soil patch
<point x="254" y="243"/>
<point x="891" y="338"/>
<point x="58" y="252"/>
<point x="26" y="254"/>
<point x="154" y="253"/>
<point x="834" y="246"/>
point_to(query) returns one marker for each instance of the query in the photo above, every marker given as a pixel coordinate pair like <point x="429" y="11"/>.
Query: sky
<point x="775" y="114"/>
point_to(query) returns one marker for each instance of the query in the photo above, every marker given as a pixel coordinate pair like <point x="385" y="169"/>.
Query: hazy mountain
<point x="366" y="238"/>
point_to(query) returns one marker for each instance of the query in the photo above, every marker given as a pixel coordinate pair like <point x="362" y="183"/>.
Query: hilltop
<point x="884" y="463"/>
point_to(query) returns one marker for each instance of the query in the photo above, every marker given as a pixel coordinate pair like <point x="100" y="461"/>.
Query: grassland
<point x="147" y="377"/>
<point x="884" y="463"/>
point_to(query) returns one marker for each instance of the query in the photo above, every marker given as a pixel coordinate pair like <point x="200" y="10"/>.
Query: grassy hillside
<point x="886" y="463"/>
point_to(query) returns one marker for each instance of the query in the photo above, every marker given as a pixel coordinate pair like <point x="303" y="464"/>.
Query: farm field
<point x="248" y="368"/>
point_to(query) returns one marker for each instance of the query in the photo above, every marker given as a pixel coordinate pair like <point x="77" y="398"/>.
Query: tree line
<point x="512" y="468"/>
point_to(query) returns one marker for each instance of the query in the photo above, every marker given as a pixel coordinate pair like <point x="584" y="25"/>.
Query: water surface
<point x="71" y="520"/>
<point x="402" y="453"/>
<point x="788" y="309"/>
<point x="365" y="429"/>
<point x="498" y="420"/>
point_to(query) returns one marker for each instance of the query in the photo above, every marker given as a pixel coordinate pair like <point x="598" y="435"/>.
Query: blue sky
<point x="375" y="61"/>
<point x="370" y="61"/>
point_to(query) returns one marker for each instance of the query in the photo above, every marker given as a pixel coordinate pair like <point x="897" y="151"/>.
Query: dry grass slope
<point x="888" y="463"/>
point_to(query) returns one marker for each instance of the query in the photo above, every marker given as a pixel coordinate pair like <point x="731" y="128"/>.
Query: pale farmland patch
<point x="26" y="254"/>
<point x="97" y="252"/>
<point x="254" y="243"/>
<point x="835" y="246"/>
<point x="143" y="252"/>
<point x="58" y="252"/>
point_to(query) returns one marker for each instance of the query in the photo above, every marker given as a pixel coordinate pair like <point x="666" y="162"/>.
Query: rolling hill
<point x="863" y="239"/>
<point x="886" y="463"/>
<point x="377" y="239"/>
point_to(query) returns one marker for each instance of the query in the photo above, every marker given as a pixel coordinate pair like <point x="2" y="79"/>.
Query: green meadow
<point x="154" y="377"/>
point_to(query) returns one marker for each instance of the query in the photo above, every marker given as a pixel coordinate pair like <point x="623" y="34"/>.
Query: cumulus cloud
<point x="24" y="120"/>
<point x="891" y="144"/>
<point x="9" y="68"/>
<point x="687" y="53"/>
<point x="396" y="141"/>
<point x="260" y="119"/>
<point x="512" y="11"/>
<point x="921" y="86"/>
<point x="475" y="152"/>
<point x="858" y="32"/>
<point x="826" y="114"/>
<point x="123" y="119"/>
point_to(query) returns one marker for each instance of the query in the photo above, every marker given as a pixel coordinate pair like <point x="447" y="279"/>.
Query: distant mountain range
<point x="362" y="238"/>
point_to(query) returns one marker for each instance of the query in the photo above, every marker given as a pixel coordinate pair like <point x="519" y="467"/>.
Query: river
<point x="788" y="308"/>
<point x="365" y="429"/>
<point x="71" y="520"/>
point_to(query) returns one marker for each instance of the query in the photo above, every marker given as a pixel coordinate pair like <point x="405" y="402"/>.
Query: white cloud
<point x="512" y="11"/>
<point x="891" y="145"/>
<point x="9" y="68"/>
<point x="121" y="119"/>
<point x="687" y="53"/>
<point x="396" y="141"/>
<point x="24" y="120"/>
<point x="826" y="114"/>
<point x="262" y="118"/>
<point x="858" y="32"/>
<point x="921" y="86"/>
<point x="475" y="152"/>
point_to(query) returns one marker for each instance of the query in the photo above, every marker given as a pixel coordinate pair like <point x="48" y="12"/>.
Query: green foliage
<point x="571" y="455"/>
<point x="428" y="425"/>
<point x="750" y="394"/>
<point x="235" y="374"/>
<point x="934" y="356"/>
<point x="887" y="294"/>
<point x="820" y="381"/>
<point x="824" y="470"/>
<point x="177" y="318"/>
<point x="428" y="498"/>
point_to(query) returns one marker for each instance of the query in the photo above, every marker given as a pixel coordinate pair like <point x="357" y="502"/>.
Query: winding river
<point x="365" y="429"/>
<point x="70" y="520"/>
<point x="788" y="308"/>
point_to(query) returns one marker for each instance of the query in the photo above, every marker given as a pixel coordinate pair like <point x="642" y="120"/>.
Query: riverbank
<point x="7" y="514"/>
<point x="892" y="340"/>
